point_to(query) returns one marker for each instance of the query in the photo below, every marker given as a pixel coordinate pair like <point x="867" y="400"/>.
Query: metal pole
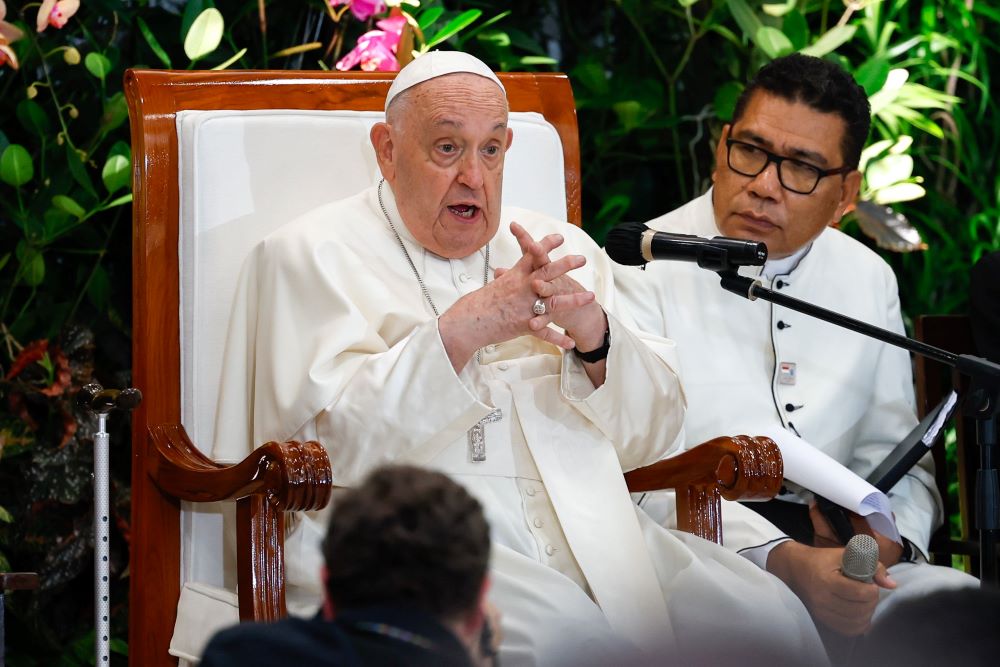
<point x="102" y="546"/>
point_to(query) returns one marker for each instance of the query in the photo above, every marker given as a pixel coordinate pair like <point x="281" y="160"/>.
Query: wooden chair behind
<point x="933" y="381"/>
<point x="168" y="467"/>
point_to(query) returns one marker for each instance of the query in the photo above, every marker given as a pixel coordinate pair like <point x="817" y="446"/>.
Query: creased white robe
<point x="852" y="396"/>
<point x="332" y="339"/>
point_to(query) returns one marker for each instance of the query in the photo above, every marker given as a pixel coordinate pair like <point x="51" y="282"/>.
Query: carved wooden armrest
<point x="735" y="468"/>
<point x="275" y="478"/>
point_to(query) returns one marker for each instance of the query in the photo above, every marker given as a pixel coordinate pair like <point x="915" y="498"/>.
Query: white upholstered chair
<point x="221" y="159"/>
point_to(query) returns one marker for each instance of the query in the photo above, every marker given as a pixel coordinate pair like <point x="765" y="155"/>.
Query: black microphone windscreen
<point x="860" y="558"/>
<point x="624" y="243"/>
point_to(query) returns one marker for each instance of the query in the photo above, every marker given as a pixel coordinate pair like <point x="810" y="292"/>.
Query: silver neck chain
<point x="420" y="281"/>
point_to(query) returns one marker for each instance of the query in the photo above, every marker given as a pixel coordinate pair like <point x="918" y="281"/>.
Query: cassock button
<point x="530" y="490"/>
<point x="549" y="549"/>
<point x="490" y="349"/>
<point x="464" y="277"/>
<point x="503" y="365"/>
<point x="538" y="523"/>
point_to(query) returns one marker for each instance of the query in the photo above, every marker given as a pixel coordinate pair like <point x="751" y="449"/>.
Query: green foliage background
<point x="654" y="82"/>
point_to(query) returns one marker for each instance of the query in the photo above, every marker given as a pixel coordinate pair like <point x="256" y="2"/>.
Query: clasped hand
<point x="503" y="309"/>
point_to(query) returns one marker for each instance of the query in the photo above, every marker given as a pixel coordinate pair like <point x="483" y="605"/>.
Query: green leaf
<point x="779" y="8"/>
<point x="830" y="40"/>
<point x="192" y="9"/>
<point x="872" y="74"/>
<point x="888" y="170"/>
<point x="429" y="16"/>
<point x="899" y="192"/>
<point x="796" y="28"/>
<point x="124" y="199"/>
<point x="97" y="64"/>
<point x="99" y="289"/>
<point x="592" y="76"/>
<point x="4" y="260"/>
<point x="631" y="113"/>
<point x="33" y="268"/>
<point x="497" y="38"/>
<point x="115" y="113"/>
<point x="118" y="646"/>
<point x="454" y="26"/>
<point x="236" y="56"/>
<point x="121" y="148"/>
<point x="5" y="516"/>
<point x="68" y="204"/>
<point x="205" y="34"/>
<point x="772" y="41"/>
<point x="16" y="166"/>
<point x="4" y="141"/>
<point x="725" y="100"/>
<point x="33" y="117"/>
<point x="686" y="3"/>
<point x="537" y="60"/>
<point x="150" y="38"/>
<point x="79" y="171"/>
<point x="116" y="173"/>
<point x="56" y="222"/>
<point x="745" y="17"/>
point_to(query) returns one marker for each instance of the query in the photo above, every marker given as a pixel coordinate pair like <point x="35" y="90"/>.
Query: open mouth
<point x="467" y="211"/>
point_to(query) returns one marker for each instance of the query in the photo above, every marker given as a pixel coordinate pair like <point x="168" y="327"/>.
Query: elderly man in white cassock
<point x="434" y="327"/>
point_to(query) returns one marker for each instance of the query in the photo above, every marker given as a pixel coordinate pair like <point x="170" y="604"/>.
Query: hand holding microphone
<point x="860" y="559"/>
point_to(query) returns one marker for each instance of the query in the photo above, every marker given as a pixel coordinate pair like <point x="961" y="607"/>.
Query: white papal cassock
<point x="333" y="340"/>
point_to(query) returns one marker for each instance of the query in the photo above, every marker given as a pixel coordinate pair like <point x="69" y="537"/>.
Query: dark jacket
<point x="372" y="636"/>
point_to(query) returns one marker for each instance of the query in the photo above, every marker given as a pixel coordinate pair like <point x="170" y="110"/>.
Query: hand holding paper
<point x="807" y="466"/>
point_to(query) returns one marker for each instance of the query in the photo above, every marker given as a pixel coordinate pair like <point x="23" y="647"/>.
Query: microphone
<point x="634" y="244"/>
<point x="860" y="558"/>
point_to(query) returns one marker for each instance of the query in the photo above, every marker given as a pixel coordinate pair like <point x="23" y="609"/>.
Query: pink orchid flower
<point x="376" y="49"/>
<point x="56" y="13"/>
<point x="362" y="9"/>
<point x="9" y="33"/>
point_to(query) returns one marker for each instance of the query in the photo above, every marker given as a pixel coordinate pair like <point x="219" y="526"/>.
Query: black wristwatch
<point x="596" y="355"/>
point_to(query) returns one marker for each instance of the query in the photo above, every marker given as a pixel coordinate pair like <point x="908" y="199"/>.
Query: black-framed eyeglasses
<point x="795" y="175"/>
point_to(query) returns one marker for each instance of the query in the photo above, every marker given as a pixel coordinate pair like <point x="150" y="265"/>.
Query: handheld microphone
<point x="860" y="560"/>
<point x="634" y="244"/>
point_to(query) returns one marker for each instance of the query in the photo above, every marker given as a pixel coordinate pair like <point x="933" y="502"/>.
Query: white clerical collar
<point x="785" y="265"/>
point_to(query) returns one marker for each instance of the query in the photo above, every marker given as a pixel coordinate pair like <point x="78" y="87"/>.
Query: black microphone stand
<point x="980" y="403"/>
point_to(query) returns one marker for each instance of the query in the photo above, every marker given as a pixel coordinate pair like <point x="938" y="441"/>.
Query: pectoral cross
<point x="477" y="436"/>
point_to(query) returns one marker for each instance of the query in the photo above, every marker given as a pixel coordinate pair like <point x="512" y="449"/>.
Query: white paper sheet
<point x="807" y="466"/>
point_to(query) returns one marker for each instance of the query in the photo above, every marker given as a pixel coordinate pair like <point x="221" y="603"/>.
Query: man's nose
<point x="470" y="171"/>
<point x="766" y="184"/>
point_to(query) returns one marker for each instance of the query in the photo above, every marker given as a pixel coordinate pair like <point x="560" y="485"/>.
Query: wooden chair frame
<point x="277" y="477"/>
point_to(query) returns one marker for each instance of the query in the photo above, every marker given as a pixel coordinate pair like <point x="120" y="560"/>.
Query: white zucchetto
<point x="438" y="63"/>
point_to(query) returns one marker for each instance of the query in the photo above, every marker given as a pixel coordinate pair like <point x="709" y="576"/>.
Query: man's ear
<point x="720" y="150"/>
<point x="381" y="138"/>
<point x="849" y="189"/>
<point x="328" y="610"/>
<point x="510" y="138"/>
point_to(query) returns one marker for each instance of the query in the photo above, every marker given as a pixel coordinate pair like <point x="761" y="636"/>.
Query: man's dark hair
<point x="407" y="536"/>
<point x="823" y="85"/>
